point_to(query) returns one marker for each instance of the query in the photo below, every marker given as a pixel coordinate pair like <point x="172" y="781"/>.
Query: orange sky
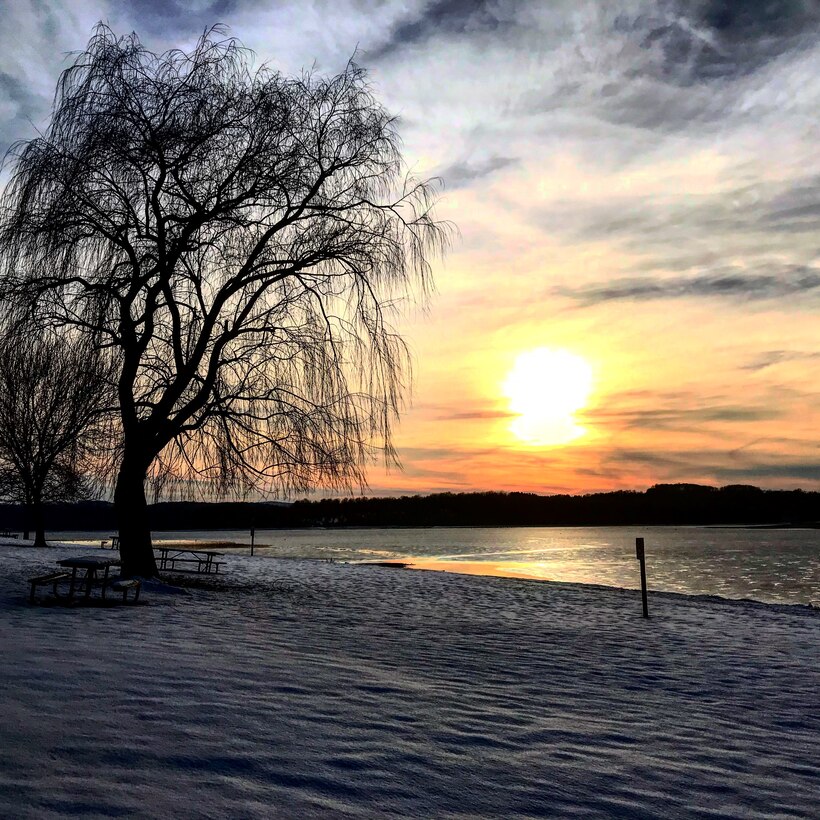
<point x="700" y="325"/>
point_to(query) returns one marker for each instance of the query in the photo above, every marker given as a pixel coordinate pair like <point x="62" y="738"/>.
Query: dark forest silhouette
<point x="663" y="504"/>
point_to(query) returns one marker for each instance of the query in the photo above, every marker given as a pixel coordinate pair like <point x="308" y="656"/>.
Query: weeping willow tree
<point x="238" y="242"/>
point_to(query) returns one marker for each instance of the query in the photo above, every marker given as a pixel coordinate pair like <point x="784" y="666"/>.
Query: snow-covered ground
<point x="301" y="689"/>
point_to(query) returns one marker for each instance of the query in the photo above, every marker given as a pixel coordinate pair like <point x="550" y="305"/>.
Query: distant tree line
<point x="662" y="504"/>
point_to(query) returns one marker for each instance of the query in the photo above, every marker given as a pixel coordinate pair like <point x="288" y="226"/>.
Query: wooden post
<point x="253" y="534"/>
<point x="640" y="554"/>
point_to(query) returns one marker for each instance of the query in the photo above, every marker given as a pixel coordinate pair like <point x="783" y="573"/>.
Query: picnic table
<point x="87" y="572"/>
<point x="201" y="561"/>
<point x="91" y="565"/>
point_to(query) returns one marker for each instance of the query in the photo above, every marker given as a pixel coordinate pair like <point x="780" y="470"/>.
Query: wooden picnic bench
<point x="199" y="561"/>
<point x="90" y="565"/>
<point x="88" y="572"/>
<point x="84" y="577"/>
<point x="52" y="578"/>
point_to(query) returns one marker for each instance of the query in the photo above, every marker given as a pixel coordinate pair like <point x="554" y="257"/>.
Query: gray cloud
<point x="683" y="41"/>
<point x="451" y="454"/>
<point x="681" y="464"/>
<point x="454" y="477"/>
<point x="705" y="40"/>
<point x="34" y="39"/>
<point x="177" y="16"/>
<point x="447" y="17"/>
<point x="771" y="358"/>
<point x="716" y="465"/>
<point x="460" y="174"/>
<point x="659" y="107"/>
<point x="795" y="209"/>
<point x="673" y="66"/>
<point x="729" y="283"/>
<point x="687" y="416"/>
<point x="751" y="33"/>
<point x="769" y="226"/>
<point x="19" y="108"/>
<point x="478" y="414"/>
<point x="790" y="471"/>
<point x="658" y="221"/>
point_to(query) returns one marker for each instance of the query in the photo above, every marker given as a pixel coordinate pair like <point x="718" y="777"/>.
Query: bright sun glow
<point x="546" y="388"/>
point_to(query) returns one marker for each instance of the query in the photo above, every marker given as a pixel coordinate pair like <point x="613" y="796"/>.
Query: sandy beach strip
<point x="308" y="689"/>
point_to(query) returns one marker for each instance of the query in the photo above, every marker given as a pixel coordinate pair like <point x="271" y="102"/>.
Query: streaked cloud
<point x="464" y="173"/>
<point x="445" y="19"/>
<point x="771" y="358"/>
<point x="681" y="418"/>
<point x="725" y="284"/>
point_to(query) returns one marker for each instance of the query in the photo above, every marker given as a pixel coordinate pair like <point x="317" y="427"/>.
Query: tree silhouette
<point x="54" y="395"/>
<point x="237" y="240"/>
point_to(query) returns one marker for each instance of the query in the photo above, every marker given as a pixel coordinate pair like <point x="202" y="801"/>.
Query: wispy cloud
<point x="476" y="415"/>
<point x="685" y="417"/>
<point x="771" y="358"/>
<point x="726" y="284"/>
<point x="465" y="172"/>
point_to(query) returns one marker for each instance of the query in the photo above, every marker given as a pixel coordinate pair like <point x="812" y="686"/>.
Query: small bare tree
<point x="54" y="395"/>
<point x="237" y="240"/>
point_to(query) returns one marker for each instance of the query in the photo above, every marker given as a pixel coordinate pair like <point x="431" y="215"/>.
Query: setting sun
<point x="545" y="389"/>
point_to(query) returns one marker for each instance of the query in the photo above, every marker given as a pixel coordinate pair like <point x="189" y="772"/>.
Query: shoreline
<point x="812" y="606"/>
<point x="804" y="525"/>
<point x="448" y="569"/>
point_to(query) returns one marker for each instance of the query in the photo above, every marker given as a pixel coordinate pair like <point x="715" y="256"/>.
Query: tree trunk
<point x="28" y="514"/>
<point x="38" y="521"/>
<point x="131" y="510"/>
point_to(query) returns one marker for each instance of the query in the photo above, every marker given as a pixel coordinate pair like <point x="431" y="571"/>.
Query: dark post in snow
<point x="253" y="533"/>
<point x="639" y="550"/>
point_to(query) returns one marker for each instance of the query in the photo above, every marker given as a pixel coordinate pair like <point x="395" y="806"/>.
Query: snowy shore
<point x="302" y="689"/>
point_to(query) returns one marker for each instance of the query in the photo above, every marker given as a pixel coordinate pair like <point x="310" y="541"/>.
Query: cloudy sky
<point x="636" y="183"/>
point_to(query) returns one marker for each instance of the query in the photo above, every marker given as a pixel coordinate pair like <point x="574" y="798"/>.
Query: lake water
<point x="775" y="566"/>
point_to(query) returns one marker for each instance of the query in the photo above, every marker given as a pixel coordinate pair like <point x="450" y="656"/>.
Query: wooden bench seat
<point x="52" y="578"/>
<point x="124" y="584"/>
